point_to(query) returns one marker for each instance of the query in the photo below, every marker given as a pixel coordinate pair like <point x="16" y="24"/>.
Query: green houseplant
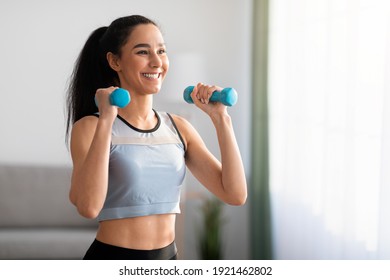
<point x="210" y="243"/>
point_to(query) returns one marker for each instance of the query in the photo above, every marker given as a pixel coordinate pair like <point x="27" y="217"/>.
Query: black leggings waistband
<point x="102" y="251"/>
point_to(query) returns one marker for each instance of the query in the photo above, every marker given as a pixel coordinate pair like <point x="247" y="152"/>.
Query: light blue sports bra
<point x="146" y="170"/>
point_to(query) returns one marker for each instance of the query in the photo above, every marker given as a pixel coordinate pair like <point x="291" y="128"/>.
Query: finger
<point x="103" y="95"/>
<point x="198" y="93"/>
<point x="112" y="88"/>
<point x="194" y="93"/>
<point x="200" y="87"/>
<point x="204" y="94"/>
<point x="210" y="92"/>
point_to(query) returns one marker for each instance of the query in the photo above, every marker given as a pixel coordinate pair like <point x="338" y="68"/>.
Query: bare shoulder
<point x="83" y="131"/>
<point x="85" y="123"/>
<point x="183" y="125"/>
<point x="186" y="129"/>
<point x="180" y="121"/>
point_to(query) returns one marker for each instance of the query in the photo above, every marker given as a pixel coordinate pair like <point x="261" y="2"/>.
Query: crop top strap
<point x="178" y="132"/>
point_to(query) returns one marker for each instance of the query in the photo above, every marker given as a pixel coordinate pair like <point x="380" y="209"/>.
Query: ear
<point x="113" y="61"/>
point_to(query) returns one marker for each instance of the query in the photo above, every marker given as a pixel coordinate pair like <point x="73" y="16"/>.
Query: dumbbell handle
<point x="227" y="96"/>
<point x="119" y="97"/>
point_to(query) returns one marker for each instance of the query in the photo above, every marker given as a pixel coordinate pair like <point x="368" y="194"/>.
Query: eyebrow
<point x="143" y="45"/>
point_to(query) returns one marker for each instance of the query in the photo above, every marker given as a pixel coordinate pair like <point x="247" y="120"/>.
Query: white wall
<point x="41" y="40"/>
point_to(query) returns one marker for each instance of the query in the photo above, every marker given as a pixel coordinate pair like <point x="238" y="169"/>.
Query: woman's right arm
<point x="90" y="151"/>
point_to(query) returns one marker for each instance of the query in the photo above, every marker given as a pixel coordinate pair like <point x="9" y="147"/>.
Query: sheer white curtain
<point x="329" y="110"/>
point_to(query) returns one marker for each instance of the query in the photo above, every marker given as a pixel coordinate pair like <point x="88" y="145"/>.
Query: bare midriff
<point x="141" y="233"/>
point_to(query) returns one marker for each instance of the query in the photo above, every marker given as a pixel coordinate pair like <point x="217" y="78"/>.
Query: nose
<point x="155" y="61"/>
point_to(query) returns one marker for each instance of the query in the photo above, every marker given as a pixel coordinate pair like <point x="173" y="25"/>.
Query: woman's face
<point x="143" y="62"/>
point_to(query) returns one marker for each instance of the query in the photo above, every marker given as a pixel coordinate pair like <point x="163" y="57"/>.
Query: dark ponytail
<point x="92" y="71"/>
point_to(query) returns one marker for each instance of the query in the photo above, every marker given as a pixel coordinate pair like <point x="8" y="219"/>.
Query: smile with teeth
<point x="151" y="76"/>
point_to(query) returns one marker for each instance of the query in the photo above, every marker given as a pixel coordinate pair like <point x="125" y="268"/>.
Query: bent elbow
<point x="72" y="198"/>
<point x="88" y="212"/>
<point x="84" y="210"/>
<point x="87" y="208"/>
<point x="238" y="201"/>
<point x="238" y="196"/>
<point x="241" y="202"/>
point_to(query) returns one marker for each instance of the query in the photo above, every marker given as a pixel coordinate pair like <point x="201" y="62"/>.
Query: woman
<point x="129" y="163"/>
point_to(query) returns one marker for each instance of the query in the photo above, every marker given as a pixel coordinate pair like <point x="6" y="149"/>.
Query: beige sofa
<point x="37" y="221"/>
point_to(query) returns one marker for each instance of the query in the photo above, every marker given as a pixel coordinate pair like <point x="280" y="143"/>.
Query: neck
<point x="139" y="112"/>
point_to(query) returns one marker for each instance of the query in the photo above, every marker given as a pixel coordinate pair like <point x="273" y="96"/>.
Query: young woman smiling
<point x="129" y="163"/>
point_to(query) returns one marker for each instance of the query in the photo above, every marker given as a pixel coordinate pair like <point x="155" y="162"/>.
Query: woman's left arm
<point x="225" y="179"/>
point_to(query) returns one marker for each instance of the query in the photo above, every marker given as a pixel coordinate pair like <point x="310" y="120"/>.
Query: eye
<point x="142" y="52"/>
<point x="162" y="51"/>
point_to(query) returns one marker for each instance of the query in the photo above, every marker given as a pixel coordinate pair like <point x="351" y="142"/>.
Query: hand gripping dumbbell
<point x="119" y="97"/>
<point x="227" y="96"/>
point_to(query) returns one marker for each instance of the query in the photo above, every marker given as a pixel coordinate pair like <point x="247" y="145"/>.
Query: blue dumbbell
<point x="227" y="96"/>
<point x="119" y="97"/>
